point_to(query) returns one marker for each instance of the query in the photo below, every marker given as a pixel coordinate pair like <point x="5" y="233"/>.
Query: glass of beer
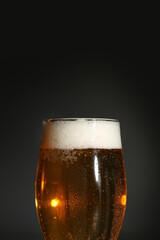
<point x="80" y="188"/>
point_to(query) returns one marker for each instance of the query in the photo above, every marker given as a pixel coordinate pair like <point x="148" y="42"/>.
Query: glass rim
<point x="51" y="120"/>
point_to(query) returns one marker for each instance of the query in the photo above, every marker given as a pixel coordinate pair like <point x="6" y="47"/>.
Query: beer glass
<point x="80" y="188"/>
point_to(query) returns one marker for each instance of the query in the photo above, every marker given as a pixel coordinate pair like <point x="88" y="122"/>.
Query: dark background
<point x="79" y="84"/>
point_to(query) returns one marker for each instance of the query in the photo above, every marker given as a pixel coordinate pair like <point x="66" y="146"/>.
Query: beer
<point x="80" y="185"/>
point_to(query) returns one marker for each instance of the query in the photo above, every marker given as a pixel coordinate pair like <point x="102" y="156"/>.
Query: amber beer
<point x="80" y="185"/>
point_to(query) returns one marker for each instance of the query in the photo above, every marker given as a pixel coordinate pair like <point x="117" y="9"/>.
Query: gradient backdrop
<point x="79" y="84"/>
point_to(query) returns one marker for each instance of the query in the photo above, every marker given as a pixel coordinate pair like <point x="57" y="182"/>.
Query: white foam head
<point x="81" y="133"/>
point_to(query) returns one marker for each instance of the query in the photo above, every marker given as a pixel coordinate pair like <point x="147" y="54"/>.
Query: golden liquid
<point x="80" y="194"/>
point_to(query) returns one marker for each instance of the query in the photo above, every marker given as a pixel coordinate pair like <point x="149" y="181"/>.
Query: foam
<point x="81" y="134"/>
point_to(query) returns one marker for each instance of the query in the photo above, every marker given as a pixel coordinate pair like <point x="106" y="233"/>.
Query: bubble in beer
<point x="54" y="202"/>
